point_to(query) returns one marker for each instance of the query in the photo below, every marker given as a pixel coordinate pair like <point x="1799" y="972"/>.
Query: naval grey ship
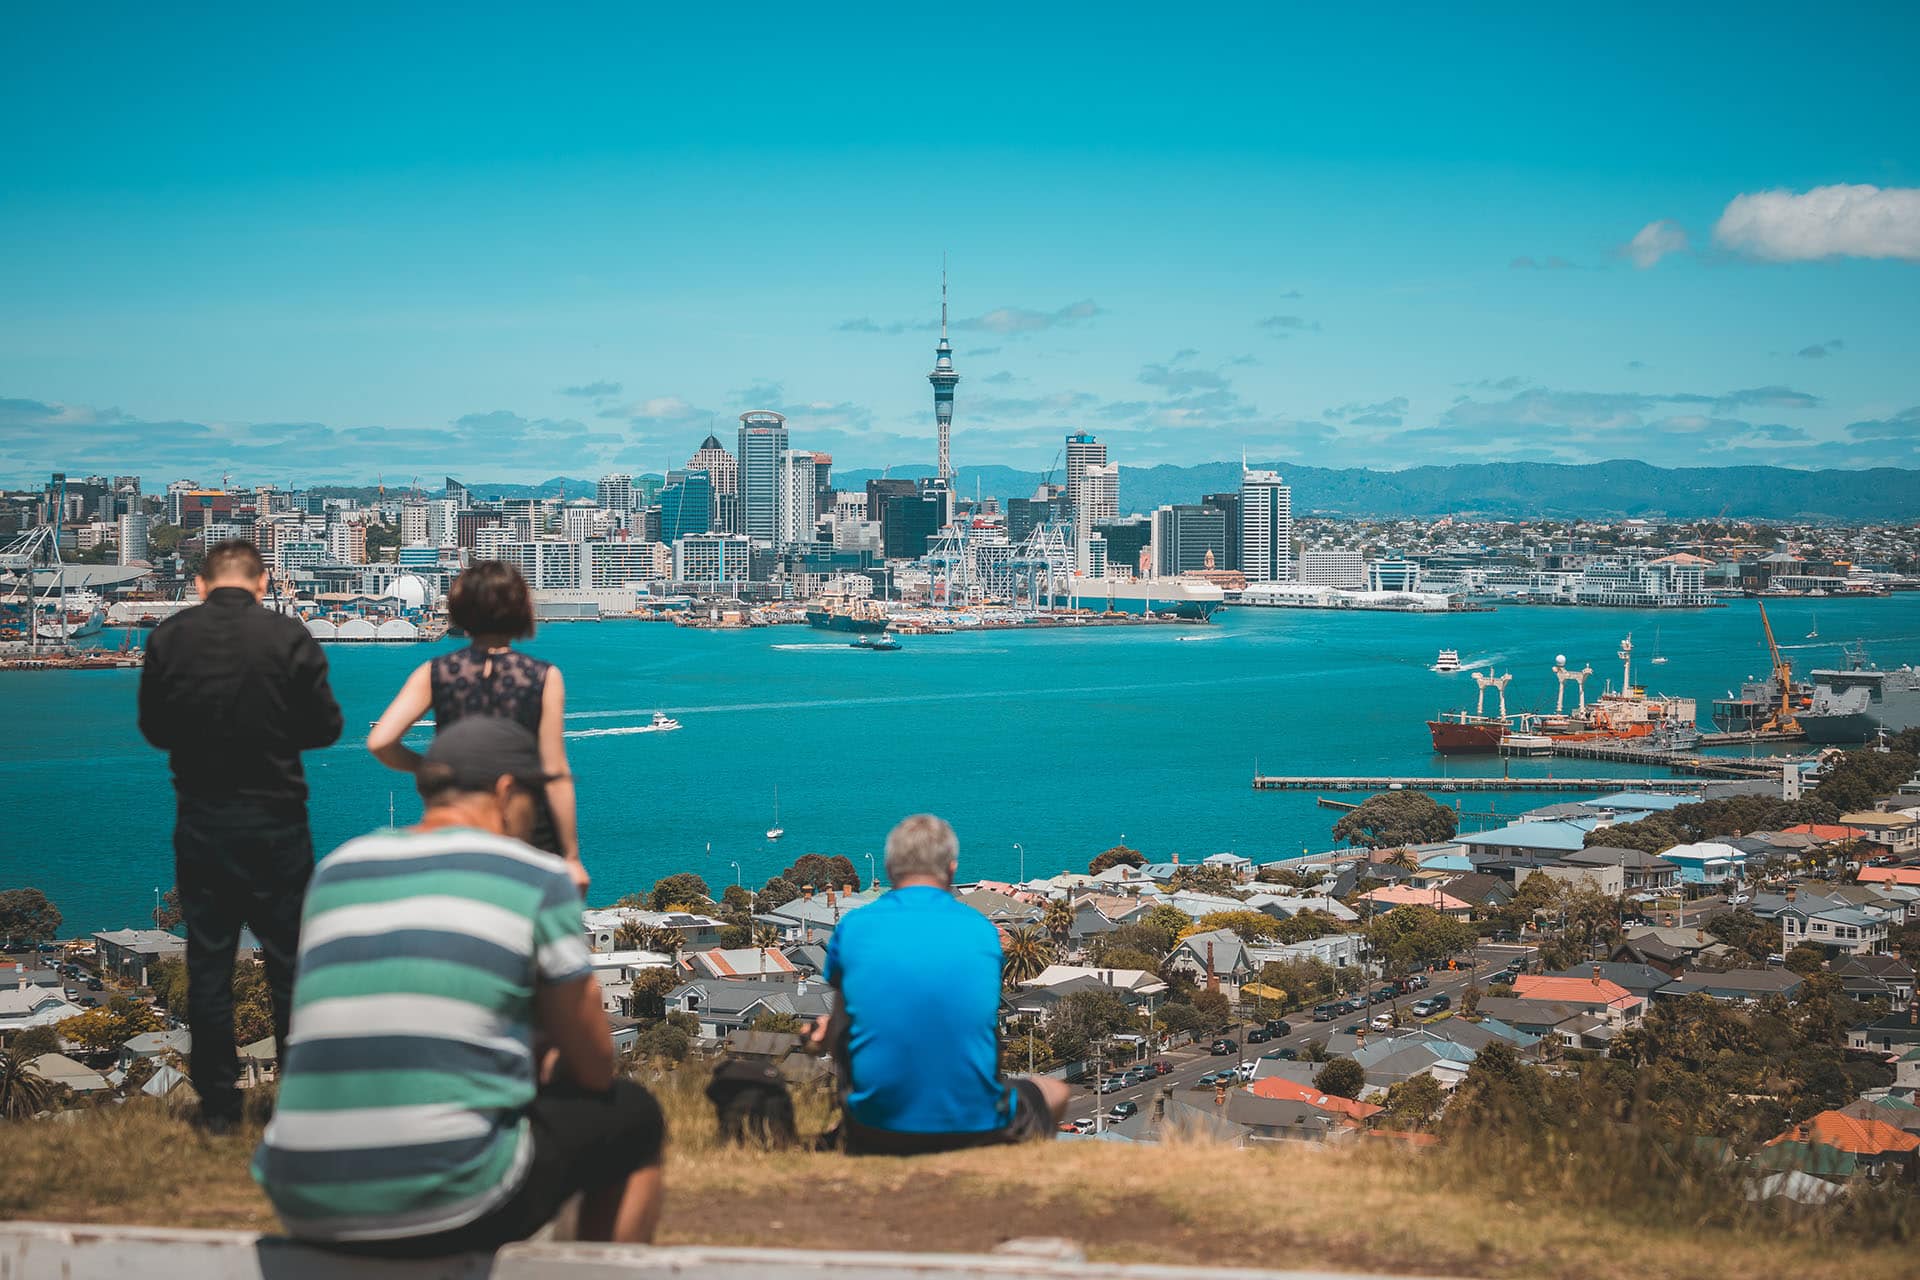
<point x="1851" y="705"/>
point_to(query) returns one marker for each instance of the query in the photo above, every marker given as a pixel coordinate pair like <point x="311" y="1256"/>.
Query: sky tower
<point x="944" y="380"/>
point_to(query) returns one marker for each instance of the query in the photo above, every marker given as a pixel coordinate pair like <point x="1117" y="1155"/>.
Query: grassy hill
<point x="1372" y="1205"/>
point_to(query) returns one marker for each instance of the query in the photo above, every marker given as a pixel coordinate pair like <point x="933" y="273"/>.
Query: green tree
<point x="1855" y="779"/>
<point x="650" y="988"/>
<point x="35" y="1042"/>
<point x="1026" y="950"/>
<point x="1500" y="1091"/>
<point x="1649" y="835"/>
<point x="1249" y="926"/>
<point x="1085" y="1019"/>
<point x="777" y="892"/>
<point x="1167" y="920"/>
<point x="1132" y="937"/>
<point x="167" y="914"/>
<point x="630" y="935"/>
<point x="252" y="1004"/>
<point x="164" y="539"/>
<point x="1128" y="958"/>
<point x="1306" y="926"/>
<point x="109" y="1026"/>
<point x="1343" y="1078"/>
<point x="736" y="900"/>
<point x="735" y="936"/>
<point x="681" y="889"/>
<point x="1413" y="1103"/>
<point x="1313" y="1050"/>
<point x="1413" y="937"/>
<point x="23" y="1093"/>
<point x="1394" y="818"/>
<point x="823" y="872"/>
<point x="774" y="1020"/>
<point x="26" y="915"/>
<point x="1183" y="1019"/>
<point x="663" y="1040"/>
<point x="1117" y="856"/>
<point x="1057" y="919"/>
<point x="1213" y="1005"/>
<point x="1205" y="879"/>
<point x="1806" y="959"/>
<point x="1470" y="999"/>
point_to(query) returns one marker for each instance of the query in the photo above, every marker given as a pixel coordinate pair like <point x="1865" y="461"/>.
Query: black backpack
<point x="753" y="1103"/>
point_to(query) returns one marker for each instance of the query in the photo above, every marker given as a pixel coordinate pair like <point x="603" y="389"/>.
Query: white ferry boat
<point x="663" y="723"/>
<point x="1447" y="662"/>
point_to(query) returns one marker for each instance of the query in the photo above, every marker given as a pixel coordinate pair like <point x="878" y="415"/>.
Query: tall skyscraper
<point x="1266" y="527"/>
<point x="1185" y="535"/>
<point x="1228" y="505"/>
<point x="712" y="457"/>
<point x="1097" y="502"/>
<point x="944" y="380"/>
<point x="686" y="505"/>
<point x="798" y="496"/>
<point x="133" y="538"/>
<point x="616" y="492"/>
<point x="762" y="453"/>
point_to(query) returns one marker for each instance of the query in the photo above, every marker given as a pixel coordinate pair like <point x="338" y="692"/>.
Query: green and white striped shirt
<point x="409" y="1069"/>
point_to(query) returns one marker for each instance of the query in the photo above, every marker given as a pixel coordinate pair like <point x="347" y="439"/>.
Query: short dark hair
<point x="491" y="599"/>
<point x="234" y="558"/>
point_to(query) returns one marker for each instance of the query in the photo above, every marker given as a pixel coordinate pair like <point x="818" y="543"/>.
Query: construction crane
<point x="1782" y="720"/>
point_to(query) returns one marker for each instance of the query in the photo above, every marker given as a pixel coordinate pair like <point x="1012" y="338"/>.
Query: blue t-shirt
<point x="919" y="977"/>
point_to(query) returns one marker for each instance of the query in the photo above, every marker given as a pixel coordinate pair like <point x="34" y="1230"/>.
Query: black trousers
<point x="237" y="865"/>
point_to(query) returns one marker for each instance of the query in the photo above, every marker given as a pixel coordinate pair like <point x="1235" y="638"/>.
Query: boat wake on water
<point x="810" y="648"/>
<point x="618" y="732"/>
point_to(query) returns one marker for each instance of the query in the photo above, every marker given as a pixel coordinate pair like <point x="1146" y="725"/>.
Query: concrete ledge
<point x="51" y="1251"/>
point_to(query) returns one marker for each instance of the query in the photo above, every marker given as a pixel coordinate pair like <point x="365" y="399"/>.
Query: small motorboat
<point x="663" y="723"/>
<point x="879" y="644"/>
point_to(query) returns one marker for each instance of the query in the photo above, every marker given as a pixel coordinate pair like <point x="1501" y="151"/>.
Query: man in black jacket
<point x="234" y="693"/>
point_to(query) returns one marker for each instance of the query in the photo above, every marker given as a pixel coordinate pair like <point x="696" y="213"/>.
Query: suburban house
<point x="1547" y="839"/>
<point x="1478" y="890"/>
<point x="1640" y="979"/>
<point x="1708" y="862"/>
<point x="696" y="932"/>
<point x="1131" y="984"/>
<point x="155" y="1044"/>
<point x="811" y="918"/>
<point x="132" y="953"/>
<point x="1891" y="1035"/>
<point x="1610" y="880"/>
<point x="732" y="1004"/>
<point x="1889" y="875"/>
<point x="1620" y="1007"/>
<point x="1004" y="909"/>
<point x="1283" y="1090"/>
<point x="1217" y="953"/>
<point x="1390" y="896"/>
<point x="1737" y="986"/>
<point x="1337" y="950"/>
<point x="1877" y="1147"/>
<point x="1578" y="1026"/>
<point x="24" y="1005"/>
<point x="1870" y="977"/>
<point x="1897" y="833"/>
<point x="764" y="964"/>
<point x="1837" y="930"/>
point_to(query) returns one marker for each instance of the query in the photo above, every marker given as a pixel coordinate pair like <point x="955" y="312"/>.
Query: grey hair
<point x="922" y="845"/>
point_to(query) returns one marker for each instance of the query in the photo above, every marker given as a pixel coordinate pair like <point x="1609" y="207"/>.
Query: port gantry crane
<point x="1579" y="679"/>
<point x="1496" y="683"/>
<point x="1782" y="720"/>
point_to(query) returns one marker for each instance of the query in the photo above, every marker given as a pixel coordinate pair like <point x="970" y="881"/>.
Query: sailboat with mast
<point x="775" y="831"/>
<point x="1659" y="658"/>
<point x="1814" y="633"/>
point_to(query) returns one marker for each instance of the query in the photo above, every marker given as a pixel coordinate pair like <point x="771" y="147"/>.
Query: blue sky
<point x="324" y="244"/>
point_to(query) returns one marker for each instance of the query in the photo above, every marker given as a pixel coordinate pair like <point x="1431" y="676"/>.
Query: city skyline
<point x="1267" y="251"/>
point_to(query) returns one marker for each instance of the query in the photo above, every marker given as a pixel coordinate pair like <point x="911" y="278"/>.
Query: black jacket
<point x="234" y="693"/>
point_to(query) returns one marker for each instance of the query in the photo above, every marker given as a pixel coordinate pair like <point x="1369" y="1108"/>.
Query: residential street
<point x="1193" y="1061"/>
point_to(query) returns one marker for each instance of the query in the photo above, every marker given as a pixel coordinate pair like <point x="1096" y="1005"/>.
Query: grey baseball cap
<point x="480" y="750"/>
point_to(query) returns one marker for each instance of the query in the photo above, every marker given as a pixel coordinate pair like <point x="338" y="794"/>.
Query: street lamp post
<point x="1023" y="860"/>
<point x="736" y="870"/>
<point x="873" y="880"/>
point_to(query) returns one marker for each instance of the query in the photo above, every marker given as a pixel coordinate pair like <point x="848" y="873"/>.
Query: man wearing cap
<point x="414" y="1118"/>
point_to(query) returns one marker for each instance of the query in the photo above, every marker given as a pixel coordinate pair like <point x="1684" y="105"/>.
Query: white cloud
<point x="1844" y="220"/>
<point x="1655" y="241"/>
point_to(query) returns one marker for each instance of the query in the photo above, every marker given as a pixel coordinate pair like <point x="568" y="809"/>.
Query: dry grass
<point x="1379" y="1207"/>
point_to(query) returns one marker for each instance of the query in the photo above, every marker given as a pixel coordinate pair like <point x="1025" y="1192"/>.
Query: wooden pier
<point x="1383" y="782"/>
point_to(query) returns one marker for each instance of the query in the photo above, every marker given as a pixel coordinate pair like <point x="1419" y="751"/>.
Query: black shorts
<point x="1032" y="1120"/>
<point x="582" y="1141"/>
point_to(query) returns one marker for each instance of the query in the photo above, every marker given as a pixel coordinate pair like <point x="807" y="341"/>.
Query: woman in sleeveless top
<point x="491" y="603"/>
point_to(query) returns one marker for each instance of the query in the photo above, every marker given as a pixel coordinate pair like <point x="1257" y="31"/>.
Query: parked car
<point x="1259" y="1035"/>
<point x="1245" y="1070"/>
<point x="1073" y="1126"/>
<point x="1282" y="1054"/>
<point x="1418" y="982"/>
<point x="1122" y="1111"/>
<point x="1162" y="1067"/>
<point x="1381" y="996"/>
<point x="1736" y="899"/>
<point x="1279" y="1027"/>
<point x="1213" y="1077"/>
<point x="1382" y="1022"/>
<point x="1324" y="1013"/>
<point x="1222" y="1046"/>
<point x="1431" y="1005"/>
<point x="1112" y="1084"/>
<point x="94" y="984"/>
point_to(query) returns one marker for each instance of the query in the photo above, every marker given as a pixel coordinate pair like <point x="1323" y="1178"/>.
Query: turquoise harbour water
<point x="1066" y="743"/>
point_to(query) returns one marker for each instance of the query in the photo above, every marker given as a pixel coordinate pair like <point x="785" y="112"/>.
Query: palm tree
<point x="23" y="1092"/>
<point x="631" y="935"/>
<point x="1058" y="919"/>
<point x="1028" y="950"/>
<point x="765" y="936"/>
<point x="663" y="939"/>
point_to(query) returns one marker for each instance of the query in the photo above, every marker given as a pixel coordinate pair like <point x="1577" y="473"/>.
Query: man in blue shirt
<point x="918" y="979"/>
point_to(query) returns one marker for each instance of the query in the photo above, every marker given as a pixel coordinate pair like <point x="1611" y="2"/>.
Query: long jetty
<point x="1384" y="782"/>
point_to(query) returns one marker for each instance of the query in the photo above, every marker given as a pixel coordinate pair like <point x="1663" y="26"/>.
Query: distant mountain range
<point x="1513" y="490"/>
<point x="1507" y="489"/>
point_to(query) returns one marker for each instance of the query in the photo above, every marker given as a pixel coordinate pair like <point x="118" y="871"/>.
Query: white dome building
<point x="410" y="591"/>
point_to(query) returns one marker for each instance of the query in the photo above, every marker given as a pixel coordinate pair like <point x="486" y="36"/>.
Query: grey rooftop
<point x="30" y="1250"/>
